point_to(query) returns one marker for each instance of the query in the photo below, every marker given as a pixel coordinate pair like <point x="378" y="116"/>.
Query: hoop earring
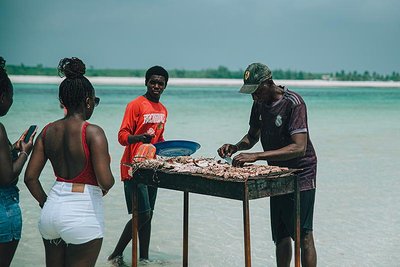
<point x="88" y="106"/>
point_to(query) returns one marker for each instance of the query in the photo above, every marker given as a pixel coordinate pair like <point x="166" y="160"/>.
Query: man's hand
<point x="227" y="150"/>
<point x="145" y="138"/>
<point x="243" y="158"/>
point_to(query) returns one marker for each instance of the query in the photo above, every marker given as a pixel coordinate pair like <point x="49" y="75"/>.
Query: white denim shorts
<point x="75" y="217"/>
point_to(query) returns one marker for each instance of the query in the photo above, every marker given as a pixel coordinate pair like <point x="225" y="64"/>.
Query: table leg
<point x="246" y="226"/>
<point x="185" y="228"/>
<point x="134" y="224"/>
<point x="297" y="223"/>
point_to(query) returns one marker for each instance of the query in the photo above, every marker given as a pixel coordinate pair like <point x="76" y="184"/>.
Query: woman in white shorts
<point x="80" y="219"/>
<point x="72" y="219"/>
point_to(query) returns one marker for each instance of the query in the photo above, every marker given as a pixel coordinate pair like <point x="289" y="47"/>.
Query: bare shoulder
<point x="94" y="131"/>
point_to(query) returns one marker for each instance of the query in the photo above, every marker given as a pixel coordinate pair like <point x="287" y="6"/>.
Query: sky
<point x="302" y="35"/>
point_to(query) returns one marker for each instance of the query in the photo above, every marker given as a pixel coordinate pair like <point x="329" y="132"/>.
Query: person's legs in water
<point x="55" y="252"/>
<point x="143" y="234"/>
<point x="282" y="224"/>
<point x="82" y="255"/>
<point x="307" y="246"/>
<point x="146" y="202"/>
<point x="125" y="238"/>
<point x="308" y="252"/>
<point x="58" y="253"/>
<point x="283" y="251"/>
<point x="280" y="233"/>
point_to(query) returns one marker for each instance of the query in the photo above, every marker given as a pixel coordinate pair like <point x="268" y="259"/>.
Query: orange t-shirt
<point x="141" y="116"/>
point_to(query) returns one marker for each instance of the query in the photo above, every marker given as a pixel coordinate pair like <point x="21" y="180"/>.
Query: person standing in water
<point x="12" y="160"/>
<point x="143" y="123"/>
<point x="72" y="217"/>
<point x="279" y="119"/>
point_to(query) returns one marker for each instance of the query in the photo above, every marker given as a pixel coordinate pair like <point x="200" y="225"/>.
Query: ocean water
<point x="355" y="132"/>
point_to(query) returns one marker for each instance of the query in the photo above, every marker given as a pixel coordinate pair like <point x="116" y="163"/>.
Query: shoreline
<point x="136" y="81"/>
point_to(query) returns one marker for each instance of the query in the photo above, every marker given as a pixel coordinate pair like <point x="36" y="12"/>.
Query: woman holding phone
<point x="12" y="160"/>
<point x="72" y="217"/>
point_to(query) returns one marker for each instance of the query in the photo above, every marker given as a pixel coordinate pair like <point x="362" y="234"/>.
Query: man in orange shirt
<point x="143" y="123"/>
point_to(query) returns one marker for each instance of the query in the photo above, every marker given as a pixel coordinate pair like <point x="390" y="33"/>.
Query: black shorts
<point x="146" y="197"/>
<point x="282" y="214"/>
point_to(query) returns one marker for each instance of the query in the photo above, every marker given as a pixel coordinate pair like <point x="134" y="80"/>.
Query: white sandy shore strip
<point x="203" y="82"/>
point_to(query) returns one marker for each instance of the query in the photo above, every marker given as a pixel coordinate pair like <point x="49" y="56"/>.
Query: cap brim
<point x="248" y="88"/>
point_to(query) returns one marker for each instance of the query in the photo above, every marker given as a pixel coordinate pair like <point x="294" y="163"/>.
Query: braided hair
<point x="75" y="88"/>
<point x="5" y="83"/>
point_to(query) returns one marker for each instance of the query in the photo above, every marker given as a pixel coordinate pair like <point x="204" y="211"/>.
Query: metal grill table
<point x="254" y="187"/>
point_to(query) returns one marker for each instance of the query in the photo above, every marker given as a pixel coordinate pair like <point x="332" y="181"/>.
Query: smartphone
<point x="31" y="129"/>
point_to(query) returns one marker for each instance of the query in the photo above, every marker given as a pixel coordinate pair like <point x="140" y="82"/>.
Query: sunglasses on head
<point x="96" y="101"/>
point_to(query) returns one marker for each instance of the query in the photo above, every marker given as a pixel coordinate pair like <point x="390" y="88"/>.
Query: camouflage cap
<point x="255" y="74"/>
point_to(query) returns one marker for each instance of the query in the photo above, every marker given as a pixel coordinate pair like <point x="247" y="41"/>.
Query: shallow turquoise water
<point x="356" y="135"/>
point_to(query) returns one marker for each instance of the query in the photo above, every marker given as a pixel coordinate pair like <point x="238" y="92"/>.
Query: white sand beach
<point x="33" y="79"/>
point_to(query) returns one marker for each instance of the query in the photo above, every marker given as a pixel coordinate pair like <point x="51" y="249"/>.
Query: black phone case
<point x="29" y="133"/>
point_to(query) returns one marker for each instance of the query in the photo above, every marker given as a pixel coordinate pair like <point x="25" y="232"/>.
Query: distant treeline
<point x="220" y="72"/>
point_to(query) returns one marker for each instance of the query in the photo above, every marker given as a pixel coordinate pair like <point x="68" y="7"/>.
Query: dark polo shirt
<point x="277" y="123"/>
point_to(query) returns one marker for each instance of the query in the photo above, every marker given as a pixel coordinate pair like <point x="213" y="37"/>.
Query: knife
<point x="228" y="160"/>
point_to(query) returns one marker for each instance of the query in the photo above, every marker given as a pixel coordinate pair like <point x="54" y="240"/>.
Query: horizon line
<point x="193" y="82"/>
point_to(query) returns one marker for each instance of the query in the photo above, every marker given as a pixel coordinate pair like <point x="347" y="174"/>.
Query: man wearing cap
<point x="279" y="118"/>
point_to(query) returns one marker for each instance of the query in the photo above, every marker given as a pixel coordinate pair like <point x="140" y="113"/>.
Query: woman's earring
<point x="88" y="106"/>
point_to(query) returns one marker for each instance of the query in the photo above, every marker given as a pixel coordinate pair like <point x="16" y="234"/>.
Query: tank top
<point x="87" y="175"/>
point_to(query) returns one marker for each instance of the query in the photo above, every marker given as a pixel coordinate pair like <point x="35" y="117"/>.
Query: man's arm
<point x="296" y="149"/>
<point x="247" y="142"/>
<point x="128" y="126"/>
